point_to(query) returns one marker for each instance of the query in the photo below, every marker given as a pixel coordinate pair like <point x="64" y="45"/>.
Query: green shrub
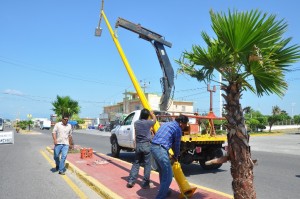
<point x="221" y="132"/>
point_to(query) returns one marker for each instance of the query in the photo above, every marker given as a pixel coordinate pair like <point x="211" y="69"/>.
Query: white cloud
<point x="13" y="92"/>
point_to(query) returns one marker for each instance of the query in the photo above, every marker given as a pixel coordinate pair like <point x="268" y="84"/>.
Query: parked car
<point x="101" y="127"/>
<point x="91" y="127"/>
<point x="107" y="128"/>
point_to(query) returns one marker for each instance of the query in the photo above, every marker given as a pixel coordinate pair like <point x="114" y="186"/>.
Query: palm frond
<point x="248" y="44"/>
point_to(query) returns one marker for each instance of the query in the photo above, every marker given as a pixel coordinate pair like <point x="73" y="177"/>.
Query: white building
<point x="132" y="102"/>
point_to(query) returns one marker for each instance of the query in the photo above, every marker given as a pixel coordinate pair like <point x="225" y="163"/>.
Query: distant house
<point x="132" y="102"/>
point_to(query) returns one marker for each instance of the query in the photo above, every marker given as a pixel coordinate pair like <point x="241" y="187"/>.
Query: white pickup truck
<point x="193" y="147"/>
<point x="123" y="136"/>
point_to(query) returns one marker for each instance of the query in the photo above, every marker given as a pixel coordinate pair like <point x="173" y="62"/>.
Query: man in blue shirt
<point x="168" y="136"/>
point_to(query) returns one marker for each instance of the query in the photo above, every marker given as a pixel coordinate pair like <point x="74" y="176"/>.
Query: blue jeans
<point x="161" y="157"/>
<point x="142" y="150"/>
<point x="63" y="150"/>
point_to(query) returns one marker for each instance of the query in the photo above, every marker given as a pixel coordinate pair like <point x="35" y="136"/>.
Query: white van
<point x="45" y="124"/>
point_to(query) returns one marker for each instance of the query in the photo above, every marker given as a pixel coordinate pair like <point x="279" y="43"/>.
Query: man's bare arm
<point x="54" y="138"/>
<point x="153" y="116"/>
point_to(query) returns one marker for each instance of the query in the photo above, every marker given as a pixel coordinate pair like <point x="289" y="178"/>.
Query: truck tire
<point x="115" y="148"/>
<point x="217" y="153"/>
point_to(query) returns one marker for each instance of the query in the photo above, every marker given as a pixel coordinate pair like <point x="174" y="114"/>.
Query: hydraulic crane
<point x="167" y="81"/>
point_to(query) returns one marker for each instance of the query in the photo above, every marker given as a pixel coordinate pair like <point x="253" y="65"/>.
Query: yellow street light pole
<point x="134" y="81"/>
<point x="185" y="189"/>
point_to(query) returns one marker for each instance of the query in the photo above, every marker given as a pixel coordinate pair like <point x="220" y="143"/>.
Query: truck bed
<point x="204" y="139"/>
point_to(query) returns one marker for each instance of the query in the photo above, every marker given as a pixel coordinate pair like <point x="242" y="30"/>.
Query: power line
<point x="190" y="95"/>
<point x="33" y="98"/>
<point x="56" y="73"/>
<point x="192" y="89"/>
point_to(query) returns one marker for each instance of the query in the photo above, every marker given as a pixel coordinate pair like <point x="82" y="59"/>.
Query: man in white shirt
<point x="62" y="136"/>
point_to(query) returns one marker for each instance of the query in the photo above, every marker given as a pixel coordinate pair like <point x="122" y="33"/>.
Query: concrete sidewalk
<point x="108" y="177"/>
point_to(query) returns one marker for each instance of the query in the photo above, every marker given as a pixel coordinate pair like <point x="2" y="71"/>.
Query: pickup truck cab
<point x="123" y="136"/>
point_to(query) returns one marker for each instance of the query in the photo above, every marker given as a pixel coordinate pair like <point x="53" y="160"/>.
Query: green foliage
<point x="29" y="123"/>
<point x="273" y="119"/>
<point x="219" y="122"/>
<point x="261" y="126"/>
<point x="76" y="118"/>
<point x="221" y="132"/>
<point x="248" y="46"/>
<point x="22" y="124"/>
<point x="65" y="105"/>
<point x="297" y="119"/>
<point x="254" y="119"/>
<point x="276" y="110"/>
<point x="263" y="119"/>
<point x="285" y="116"/>
<point x="252" y="124"/>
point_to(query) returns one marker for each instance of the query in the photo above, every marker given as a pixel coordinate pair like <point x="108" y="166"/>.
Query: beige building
<point x="88" y="122"/>
<point x="132" y="102"/>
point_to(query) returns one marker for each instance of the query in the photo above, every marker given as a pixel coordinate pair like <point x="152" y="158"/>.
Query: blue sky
<point x="48" y="48"/>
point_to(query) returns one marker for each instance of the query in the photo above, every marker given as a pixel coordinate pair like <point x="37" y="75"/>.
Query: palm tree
<point x="275" y="117"/>
<point x="276" y="110"/>
<point x="250" y="53"/>
<point x="65" y="106"/>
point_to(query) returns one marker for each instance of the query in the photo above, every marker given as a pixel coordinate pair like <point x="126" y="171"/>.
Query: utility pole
<point x="144" y="85"/>
<point x="125" y="102"/>
<point x="211" y="91"/>
<point x="293" y="104"/>
<point x="211" y="113"/>
<point x="220" y="101"/>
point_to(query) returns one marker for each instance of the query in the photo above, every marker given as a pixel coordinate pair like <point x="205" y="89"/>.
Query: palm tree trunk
<point x="238" y="145"/>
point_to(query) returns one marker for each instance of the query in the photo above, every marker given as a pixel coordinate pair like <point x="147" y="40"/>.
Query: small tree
<point x="23" y="124"/>
<point x="29" y="123"/>
<point x="273" y="119"/>
<point x="253" y="124"/>
<point x="297" y="119"/>
<point x="277" y="116"/>
<point x="65" y="105"/>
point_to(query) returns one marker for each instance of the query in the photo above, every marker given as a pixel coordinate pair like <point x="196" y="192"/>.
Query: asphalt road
<point x="26" y="173"/>
<point x="277" y="174"/>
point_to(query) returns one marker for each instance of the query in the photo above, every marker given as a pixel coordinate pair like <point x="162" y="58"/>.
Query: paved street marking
<point x="214" y="191"/>
<point x="73" y="186"/>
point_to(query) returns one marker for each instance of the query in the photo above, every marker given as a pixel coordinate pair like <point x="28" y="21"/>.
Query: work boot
<point x="169" y="193"/>
<point x="146" y="185"/>
<point x="61" y="173"/>
<point x="130" y="184"/>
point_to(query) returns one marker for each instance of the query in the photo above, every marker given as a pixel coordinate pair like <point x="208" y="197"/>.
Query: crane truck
<point x="194" y="145"/>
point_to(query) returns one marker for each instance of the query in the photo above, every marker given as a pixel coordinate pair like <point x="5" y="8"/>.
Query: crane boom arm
<point x="167" y="81"/>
